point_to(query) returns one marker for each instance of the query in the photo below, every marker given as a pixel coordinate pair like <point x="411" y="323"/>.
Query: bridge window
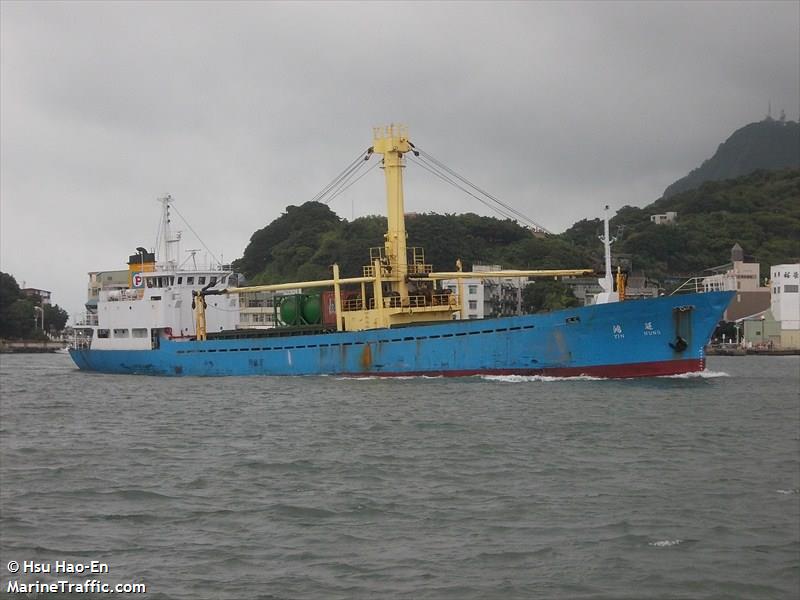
<point x="201" y="280"/>
<point x="190" y="281"/>
<point x="103" y="333"/>
<point x="140" y="332"/>
<point x="121" y="333"/>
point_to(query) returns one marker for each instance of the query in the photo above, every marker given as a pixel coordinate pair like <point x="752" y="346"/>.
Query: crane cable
<point x="216" y="260"/>
<point x="441" y="165"/>
<point x="342" y="177"/>
<point x="445" y="178"/>
<point x="344" y="189"/>
<point x="338" y="178"/>
<point x="346" y="181"/>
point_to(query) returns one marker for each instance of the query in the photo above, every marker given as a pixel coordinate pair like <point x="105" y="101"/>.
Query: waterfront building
<point x="586" y="289"/>
<point x="42" y="295"/>
<point x="743" y="277"/>
<point x="785" y="303"/>
<point x="761" y="331"/>
<point x="106" y="280"/>
<point x="473" y="290"/>
<point x="502" y="296"/>
<point x="777" y="327"/>
<point x="257" y="310"/>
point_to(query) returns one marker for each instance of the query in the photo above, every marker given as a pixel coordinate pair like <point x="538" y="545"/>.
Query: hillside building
<point x="667" y="218"/>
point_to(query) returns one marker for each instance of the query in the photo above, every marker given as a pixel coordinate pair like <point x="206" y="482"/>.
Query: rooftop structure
<point x="42" y="295"/>
<point x="667" y="218"/>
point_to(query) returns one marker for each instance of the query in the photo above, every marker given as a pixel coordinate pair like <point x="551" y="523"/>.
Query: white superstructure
<point x="157" y="300"/>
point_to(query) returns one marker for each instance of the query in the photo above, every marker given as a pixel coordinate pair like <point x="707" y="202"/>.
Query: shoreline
<point x="30" y="346"/>
<point x="738" y="351"/>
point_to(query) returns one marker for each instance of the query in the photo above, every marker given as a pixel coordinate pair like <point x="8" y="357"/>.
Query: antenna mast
<point x="167" y="237"/>
<point x="607" y="282"/>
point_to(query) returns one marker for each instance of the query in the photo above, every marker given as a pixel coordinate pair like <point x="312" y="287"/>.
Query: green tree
<point x="20" y="321"/>
<point x="9" y="295"/>
<point x="55" y="318"/>
<point x="547" y="294"/>
<point x="273" y="245"/>
<point x="20" y="316"/>
<point x="9" y="290"/>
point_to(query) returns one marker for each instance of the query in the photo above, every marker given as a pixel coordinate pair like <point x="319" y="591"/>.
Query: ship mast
<point x="392" y="142"/>
<point x="607" y="241"/>
<point x="607" y="283"/>
<point x="166" y="236"/>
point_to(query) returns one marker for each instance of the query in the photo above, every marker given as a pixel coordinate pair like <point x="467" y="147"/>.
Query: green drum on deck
<point x="290" y="309"/>
<point x="312" y="309"/>
<point x="301" y="309"/>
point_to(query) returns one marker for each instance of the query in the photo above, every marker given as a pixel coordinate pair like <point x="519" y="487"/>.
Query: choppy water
<point x="506" y="487"/>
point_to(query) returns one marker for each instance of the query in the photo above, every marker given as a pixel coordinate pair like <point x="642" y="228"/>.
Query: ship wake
<point x="537" y="378"/>
<point x="698" y="375"/>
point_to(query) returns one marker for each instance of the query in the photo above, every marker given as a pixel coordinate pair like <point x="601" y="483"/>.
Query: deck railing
<point x="699" y="284"/>
<point x="397" y="302"/>
<point x="353" y="304"/>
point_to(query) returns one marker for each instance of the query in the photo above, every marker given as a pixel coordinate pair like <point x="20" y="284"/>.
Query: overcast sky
<point x="238" y="110"/>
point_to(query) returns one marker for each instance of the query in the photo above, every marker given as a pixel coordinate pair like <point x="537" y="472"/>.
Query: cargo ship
<point x="395" y="319"/>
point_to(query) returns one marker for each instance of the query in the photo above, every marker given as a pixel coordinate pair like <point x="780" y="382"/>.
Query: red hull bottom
<point x="646" y="369"/>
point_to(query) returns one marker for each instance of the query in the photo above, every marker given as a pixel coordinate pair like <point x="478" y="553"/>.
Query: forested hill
<point x="303" y="242"/>
<point x="768" y="144"/>
<point x="759" y="211"/>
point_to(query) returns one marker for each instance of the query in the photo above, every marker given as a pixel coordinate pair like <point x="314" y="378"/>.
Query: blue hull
<point x="661" y="336"/>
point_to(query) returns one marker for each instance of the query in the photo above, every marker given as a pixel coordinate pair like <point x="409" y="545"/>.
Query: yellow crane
<point x="390" y="273"/>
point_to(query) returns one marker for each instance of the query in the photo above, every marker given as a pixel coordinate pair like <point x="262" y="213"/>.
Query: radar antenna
<point x="192" y="254"/>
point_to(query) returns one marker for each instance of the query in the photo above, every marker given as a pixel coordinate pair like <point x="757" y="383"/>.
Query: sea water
<point x="478" y="487"/>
